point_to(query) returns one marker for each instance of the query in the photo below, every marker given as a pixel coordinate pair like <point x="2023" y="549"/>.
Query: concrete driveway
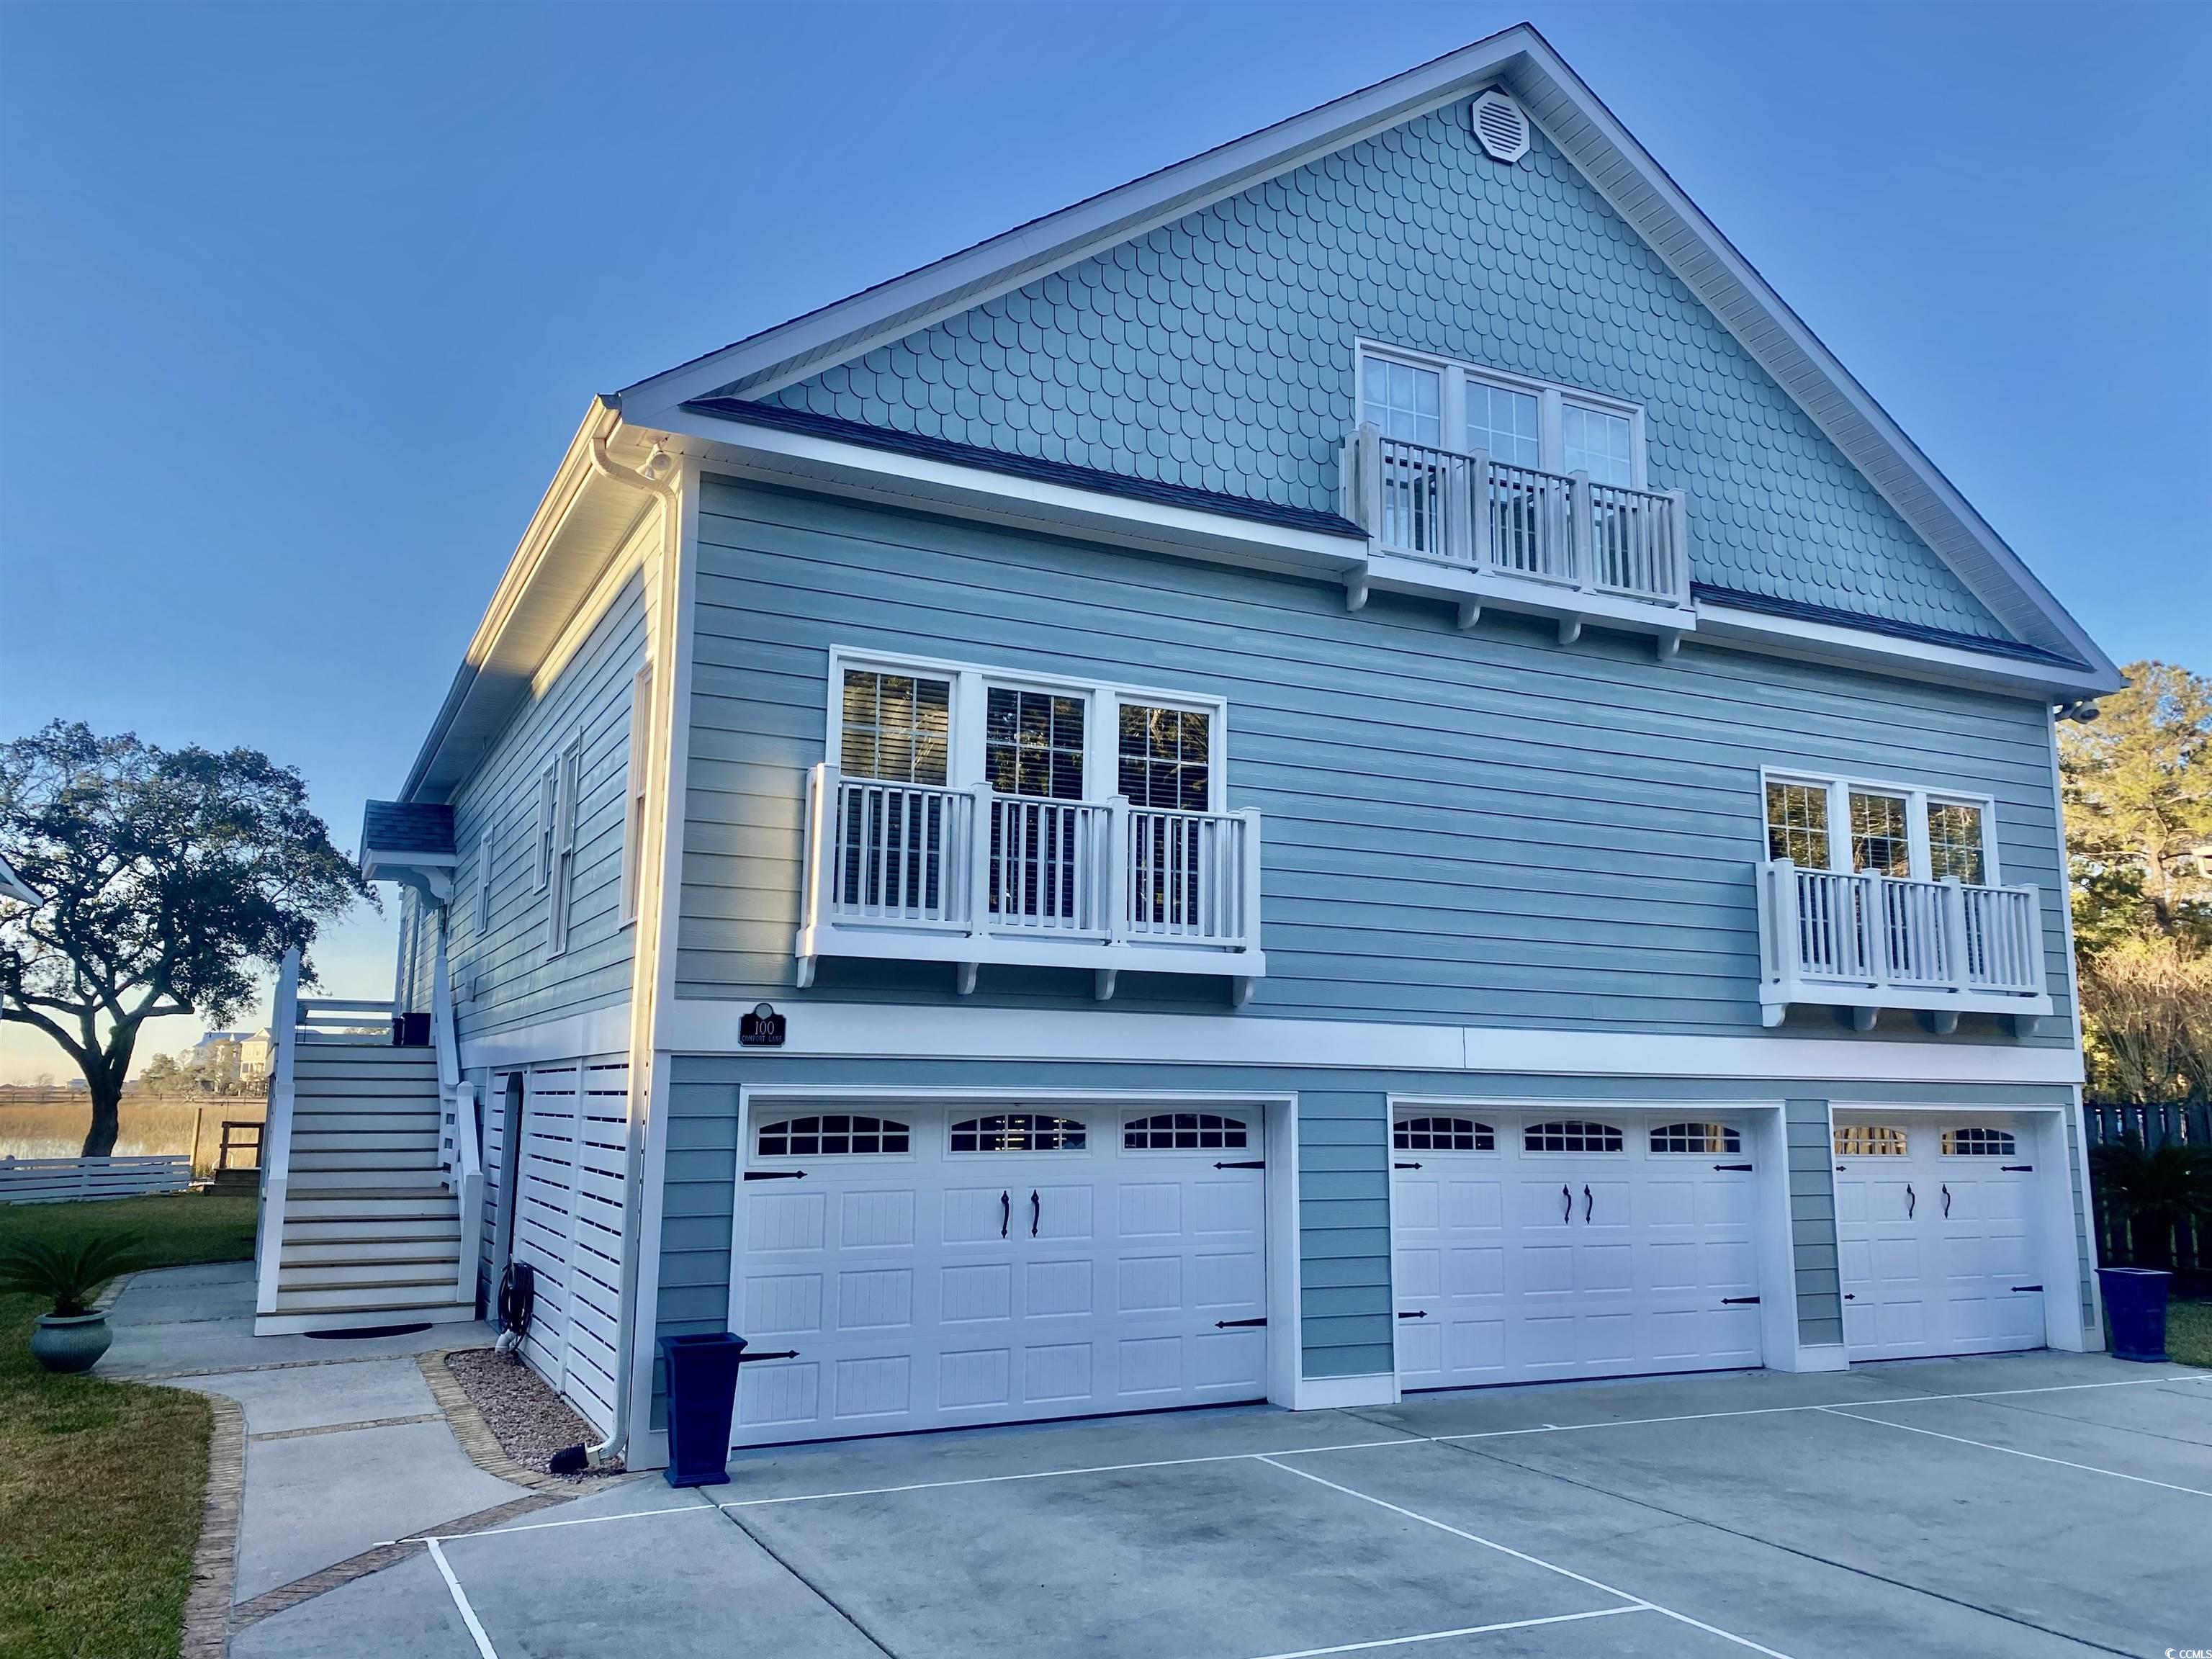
<point x="2042" y="1504"/>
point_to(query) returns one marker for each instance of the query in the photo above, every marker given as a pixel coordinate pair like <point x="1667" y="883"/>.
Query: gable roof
<point x="1583" y="129"/>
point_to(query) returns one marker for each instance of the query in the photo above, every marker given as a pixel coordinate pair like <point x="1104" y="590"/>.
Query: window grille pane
<point x="1403" y="401"/>
<point x="896" y="727"/>
<point x="1033" y="743"/>
<point x="1696" y="1137"/>
<point x="1166" y="758"/>
<point x="1955" y="842"/>
<point x="1881" y="844"/>
<point x="840" y="1135"/>
<point x="1571" y="1137"/>
<point x="1017" y="1132"/>
<point x="1869" y="1140"/>
<point x="1596" y="441"/>
<point x="1504" y="422"/>
<point x="1797" y="824"/>
<point x="1442" y="1134"/>
<point x="1185" y="1131"/>
<point x="1980" y="1143"/>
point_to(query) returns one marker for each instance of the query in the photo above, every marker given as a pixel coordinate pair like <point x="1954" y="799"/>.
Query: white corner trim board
<point x="872" y="1031"/>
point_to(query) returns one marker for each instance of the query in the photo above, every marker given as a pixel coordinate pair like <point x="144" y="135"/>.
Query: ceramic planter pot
<point x="70" y="1342"/>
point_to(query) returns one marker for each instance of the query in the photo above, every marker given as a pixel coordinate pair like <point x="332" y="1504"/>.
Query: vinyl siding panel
<point x="1457" y="825"/>
<point x="516" y="982"/>
<point x="1813" y="1222"/>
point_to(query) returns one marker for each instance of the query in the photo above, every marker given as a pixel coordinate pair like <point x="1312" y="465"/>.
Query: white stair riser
<point x="401" y="1151"/>
<point x="348" y="1228"/>
<point x="414" y="1121"/>
<point x="310" y="1182"/>
<point x="342" y="1252"/>
<point x="362" y="1298"/>
<point x="427" y="1276"/>
<point x="289" y="1324"/>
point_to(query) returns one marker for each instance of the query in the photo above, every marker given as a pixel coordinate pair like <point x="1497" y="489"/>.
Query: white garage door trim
<point x="2054" y="1238"/>
<point x="1762" y="1125"/>
<point x="1275" y="1145"/>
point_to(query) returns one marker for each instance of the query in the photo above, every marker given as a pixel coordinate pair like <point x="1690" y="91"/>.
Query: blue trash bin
<point x="2135" y="1311"/>
<point x="702" y="1388"/>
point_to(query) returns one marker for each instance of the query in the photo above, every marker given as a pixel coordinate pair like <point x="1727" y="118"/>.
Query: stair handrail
<point x="276" y="1135"/>
<point x="459" y="1148"/>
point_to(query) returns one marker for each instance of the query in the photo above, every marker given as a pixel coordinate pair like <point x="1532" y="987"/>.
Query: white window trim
<point x="541" y="850"/>
<point x="1839" y="790"/>
<point x="1552" y="398"/>
<point x="567" y="772"/>
<point x="971" y="684"/>
<point x="483" y="885"/>
<point x="634" y="785"/>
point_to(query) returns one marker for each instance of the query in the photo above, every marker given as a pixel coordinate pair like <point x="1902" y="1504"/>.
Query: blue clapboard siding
<point x="1813" y="1221"/>
<point x="516" y="982"/>
<point x="1344" y="1219"/>
<point x="1218" y="352"/>
<point x="1470" y="827"/>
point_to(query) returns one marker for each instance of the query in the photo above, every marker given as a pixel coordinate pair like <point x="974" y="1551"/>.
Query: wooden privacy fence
<point x="2186" y="1122"/>
<point x="58" y="1180"/>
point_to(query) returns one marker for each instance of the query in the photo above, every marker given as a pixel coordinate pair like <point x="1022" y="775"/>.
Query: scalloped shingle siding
<point x="1217" y="353"/>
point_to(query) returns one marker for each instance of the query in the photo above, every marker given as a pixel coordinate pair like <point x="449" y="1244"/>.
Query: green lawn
<point x="100" y="1482"/>
<point x="2189" y="1333"/>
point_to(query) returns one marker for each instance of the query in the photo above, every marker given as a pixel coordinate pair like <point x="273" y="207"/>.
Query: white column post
<point x="1478" y="509"/>
<point x="1579" y="528"/>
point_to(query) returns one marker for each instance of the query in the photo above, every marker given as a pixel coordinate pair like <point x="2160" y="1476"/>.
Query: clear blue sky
<point x="299" y="303"/>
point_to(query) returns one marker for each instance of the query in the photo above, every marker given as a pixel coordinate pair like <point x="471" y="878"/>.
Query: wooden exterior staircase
<point x="369" y="1172"/>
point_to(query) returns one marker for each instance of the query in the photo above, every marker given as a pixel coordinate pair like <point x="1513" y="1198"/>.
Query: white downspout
<point x="642" y="988"/>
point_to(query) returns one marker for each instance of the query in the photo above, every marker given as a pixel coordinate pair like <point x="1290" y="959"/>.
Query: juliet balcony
<point x="967" y="876"/>
<point x="1870" y="942"/>
<point x="1471" y="528"/>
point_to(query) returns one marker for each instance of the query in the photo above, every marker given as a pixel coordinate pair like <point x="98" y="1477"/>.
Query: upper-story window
<point x="1036" y="735"/>
<point x="1511" y="418"/>
<point x="1890" y="830"/>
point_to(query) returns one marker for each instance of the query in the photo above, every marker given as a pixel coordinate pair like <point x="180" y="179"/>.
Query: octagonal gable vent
<point x="1500" y="127"/>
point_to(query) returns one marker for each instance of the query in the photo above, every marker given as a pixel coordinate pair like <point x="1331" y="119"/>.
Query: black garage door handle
<point x="1005" y="1213"/>
<point x="1568" y="1199"/>
<point x="1587" y="1203"/>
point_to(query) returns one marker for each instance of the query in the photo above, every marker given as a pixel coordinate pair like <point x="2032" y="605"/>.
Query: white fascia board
<point x="801" y="460"/>
<point x="1578" y="123"/>
<point x="1886" y="653"/>
<point x="876" y="1031"/>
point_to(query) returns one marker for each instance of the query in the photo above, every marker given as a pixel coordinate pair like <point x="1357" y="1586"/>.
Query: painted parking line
<point x="1401" y="1438"/>
<point x="461" y="1600"/>
<point x="1464" y="1630"/>
<point x="1636" y="1603"/>
<point x="2011" y="1451"/>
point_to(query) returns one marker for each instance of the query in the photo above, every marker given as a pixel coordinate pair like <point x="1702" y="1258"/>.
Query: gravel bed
<point x="529" y="1420"/>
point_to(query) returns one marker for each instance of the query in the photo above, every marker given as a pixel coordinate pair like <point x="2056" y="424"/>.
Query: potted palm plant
<point x="68" y="1275"/>
<point x="2150" y="1191"/>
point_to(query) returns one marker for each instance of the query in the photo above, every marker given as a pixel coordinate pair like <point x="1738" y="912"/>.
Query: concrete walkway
<point x="345" y="1447"/>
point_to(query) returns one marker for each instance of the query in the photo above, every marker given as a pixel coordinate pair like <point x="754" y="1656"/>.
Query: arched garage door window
<point x="1696" y="1137"/>
<point x="1571" y="1136"/>
<point x="1980" y="1143"/>
<point x="839" y="1135"/>
<point x="1017" y="1132"/>
<point x="1442" y="1134"/>
<point x="1167" y="1131"/>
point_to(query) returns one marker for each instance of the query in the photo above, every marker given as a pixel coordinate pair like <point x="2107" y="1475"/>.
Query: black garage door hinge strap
<point x="1235" y="1324"/>
<point x="1250" y="1164"/>
<point x="787" y="1353"/>
<point x="776" y="1175"/>
<point x="1733" y="1300"/>
<point x="2028" y="1287"/>
<point x="2021" y="1169"/>
<point x="1424" y="1314"/>
<point x="1732" y="1166"/>
<point x="1405" y="1166"/>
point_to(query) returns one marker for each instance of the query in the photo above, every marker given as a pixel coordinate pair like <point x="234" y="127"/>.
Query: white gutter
<point x="642" y="1000"/>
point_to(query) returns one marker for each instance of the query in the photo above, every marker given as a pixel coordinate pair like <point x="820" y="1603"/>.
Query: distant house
<point x="1357" y="766"/>
<point x="233" y="1058"/>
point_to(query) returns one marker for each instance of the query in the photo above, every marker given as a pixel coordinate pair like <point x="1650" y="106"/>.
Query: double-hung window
<point x="1515" y="420"/>
<point x="1036" y="763"/>
<point x="1887" y="830"/>
<point x="557" y="841"/>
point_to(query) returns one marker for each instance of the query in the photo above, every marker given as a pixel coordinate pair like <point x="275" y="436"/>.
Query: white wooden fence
<point x="59" y="1179"/>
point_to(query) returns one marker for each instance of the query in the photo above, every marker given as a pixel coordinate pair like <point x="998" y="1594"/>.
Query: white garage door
<point x="1527" y="1248"/>
<point x="933" y="1267"/>
<point x="1933" y="1237"/>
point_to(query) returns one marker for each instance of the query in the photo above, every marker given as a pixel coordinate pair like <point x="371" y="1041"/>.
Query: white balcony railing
<point x="1869" y="942"/>
<point x="969" y="876"/>
<point x="1490" y="519"/>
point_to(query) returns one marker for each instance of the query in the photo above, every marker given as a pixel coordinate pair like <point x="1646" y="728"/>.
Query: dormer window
<point x="1515" y="420"/>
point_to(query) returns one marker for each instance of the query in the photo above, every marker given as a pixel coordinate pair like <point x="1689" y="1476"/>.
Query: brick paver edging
<point x="214" y="1561"/>
<point x="475" y="1435"/>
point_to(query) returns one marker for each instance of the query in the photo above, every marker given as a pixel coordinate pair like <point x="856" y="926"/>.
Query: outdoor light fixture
<point x="659" y="465"/>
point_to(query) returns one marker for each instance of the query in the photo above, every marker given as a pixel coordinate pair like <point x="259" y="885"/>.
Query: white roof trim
<point x="1574" y="119"/>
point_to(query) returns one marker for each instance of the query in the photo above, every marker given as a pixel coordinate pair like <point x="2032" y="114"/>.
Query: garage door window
<point x="830" y="1136"/>
<point x="1442" y="1134"/>
<point x="1980" y="1143"/>
<point x="1181" y="1131"/>
<point x="1696" y="1137"/>
<point x="1869" y="1140"/>
<point x="1017" y="1132"/>
<point x="1571" y="1136"/>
